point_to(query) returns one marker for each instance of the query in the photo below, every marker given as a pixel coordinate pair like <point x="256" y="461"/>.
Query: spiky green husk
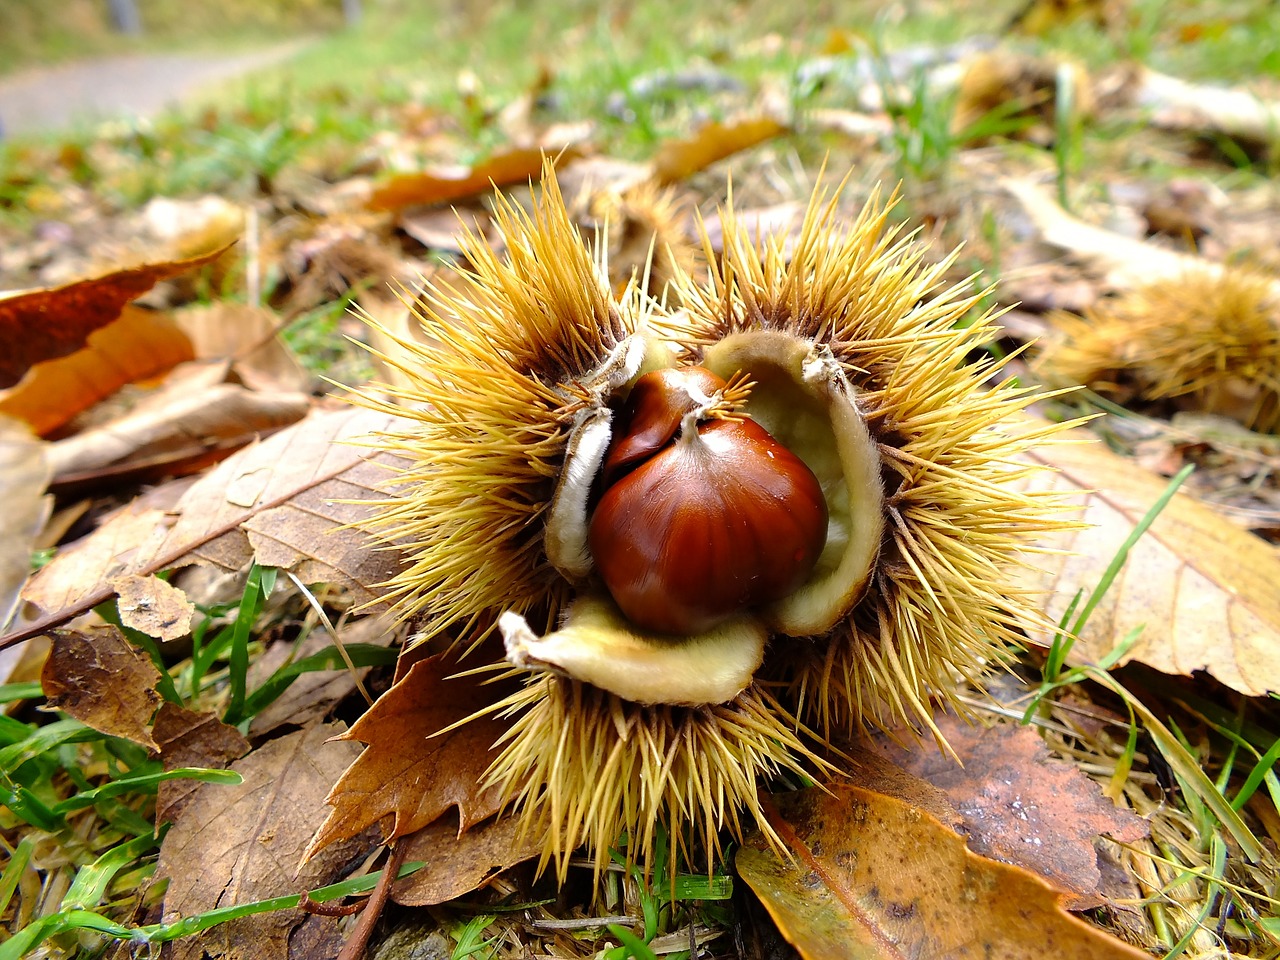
<point x="1209" y="340"/>
<point x="939" y="606"/>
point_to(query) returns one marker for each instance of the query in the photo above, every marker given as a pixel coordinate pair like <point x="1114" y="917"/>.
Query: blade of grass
<point x="10" y="692"/>
<point x="331" y="658"/>
<point x="1118" y="561"/>
<point x="65" y="921"/>
<point x="632" y="946"/>
<point x="88" y="798"/>
<point x="257" y="588"/>
<point x="89" y="887"/>
<point x="18" y="861"/>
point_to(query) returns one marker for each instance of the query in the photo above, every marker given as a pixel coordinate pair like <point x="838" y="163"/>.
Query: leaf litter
<point x="1198" y="588"/>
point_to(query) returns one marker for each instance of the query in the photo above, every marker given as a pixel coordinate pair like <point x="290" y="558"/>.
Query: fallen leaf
<point x="406" y="772"/>
<point x="274" y="502"/>
<point x="503" y="168"/>
<point x="92" y="560"/>
<point x="457" y="863"/>
<point x="249" y="337"/>
<point x="870" y="876"/>
<point x="176" y="425"/>
<point x="678" y="159"/>
<point x="136" y="345"/>
<point x="237" y="844"/>
<point x="38" y="325"/>
<point x="24" y="508"/>
<point x="1021" y="806"/>
<point x="1127" y="262"/>
<point x="1202" y="589"/>
<point x="103" y="681"/>
<point x="1179" y="104"/>
<point x="190" y="739"/>
<point x="153" y="607"/>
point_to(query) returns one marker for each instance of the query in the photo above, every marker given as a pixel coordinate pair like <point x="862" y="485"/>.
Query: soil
<point x="54" y="98"/>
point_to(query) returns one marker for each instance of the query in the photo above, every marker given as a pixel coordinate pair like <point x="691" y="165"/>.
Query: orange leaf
<point x="40" y="325"/>
<point x="872" y="877"/>
<point x="136" y="345"/>
<point x="1018" y="804"/>
<point x="678" y="159"/>
<point x="516" y="165"/>
<point x="407" y="772"/>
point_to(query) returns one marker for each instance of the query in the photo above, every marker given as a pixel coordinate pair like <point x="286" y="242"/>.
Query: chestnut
<point x="713" y="517"/>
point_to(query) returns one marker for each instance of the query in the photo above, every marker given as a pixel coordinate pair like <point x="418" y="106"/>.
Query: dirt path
<point x="52" y="98"/>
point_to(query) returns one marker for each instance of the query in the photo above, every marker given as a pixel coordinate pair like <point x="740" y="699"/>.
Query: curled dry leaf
<point x="136" y="345"/>
<point x="457" y="863"/>
<point x="506" y="167"/>
<point x="1127" y="262"/>
<point x="38" y="325"/>
<point x="103" y="681"/>
<point x="237" y="844"/>
<point x="1020" y="806"/>
<point x="177" y="426"/>
<point x="873" y="877"/>
<point x="1202" y="589"/>
<point x="678" y="159"/>
<point x="406" y="771"/>
<point x="190" y="739"/>
<point x="152" y="606"/>
<point x="273" y="502"/>
<point x="24" y="508"/>
<point x="1181" y="105"/>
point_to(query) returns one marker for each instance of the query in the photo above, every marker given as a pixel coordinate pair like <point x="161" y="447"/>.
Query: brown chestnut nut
<point x="716" y="516"/>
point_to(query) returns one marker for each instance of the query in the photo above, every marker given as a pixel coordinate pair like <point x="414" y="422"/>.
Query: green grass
<point x="88" y="800"/>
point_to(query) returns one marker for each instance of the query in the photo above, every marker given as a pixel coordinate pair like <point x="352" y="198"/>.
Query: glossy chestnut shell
<point x="700" y="519"/>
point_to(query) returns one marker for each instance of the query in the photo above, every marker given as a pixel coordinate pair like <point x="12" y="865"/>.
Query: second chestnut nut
<point x="704" y="514"/>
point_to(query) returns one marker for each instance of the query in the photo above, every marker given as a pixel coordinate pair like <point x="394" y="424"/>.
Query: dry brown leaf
<point x="1019" y="805"/>
<point x="237" y="844"/>
<point x="136" y="345"/>
<point x="272" y="502"/>
<point x="504" y="168"/>
<point x="249" y="336"/>
<point x="24" y="508"/>
<point x="190" y="739"/>
<point x="457" y="863"/>
<point x="679" y="159"/>
<point x="39" y="325"/>
<point x="103" y="681"/>
<point x="152" y="606"/>
<point x="176" y="425"/>
<point x="405" y="772"/>
<point x="1204" y="590"/>
<point x="873" y="877"/>
<point x="93" y="560"/>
